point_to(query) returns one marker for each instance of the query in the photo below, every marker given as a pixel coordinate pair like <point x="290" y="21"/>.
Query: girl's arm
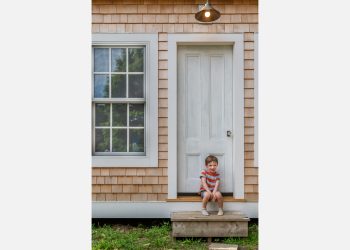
<point x="204" y="183"/>
<point x="216" y="188"/>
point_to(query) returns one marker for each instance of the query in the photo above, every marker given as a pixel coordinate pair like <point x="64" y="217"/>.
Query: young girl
<point x="210" y="181"/>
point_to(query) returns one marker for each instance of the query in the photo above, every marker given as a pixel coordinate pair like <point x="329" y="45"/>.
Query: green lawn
<point x="115" y="237"/>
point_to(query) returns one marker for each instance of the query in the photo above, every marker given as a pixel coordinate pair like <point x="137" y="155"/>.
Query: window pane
<point x="119" y="140"/>
<point x="119" y="116"/>
<point x="136" y="140"/>
<point x="102" y="114"/>
<point x="119" y="60"/>
<point x="136" y="60"/>
<point x="102" y="140"/>
<point x="118" y="85"/>
<point x="136" y="115"/>
<point x="101" y="86"/>
<point x="101" y="60"/>
<point x="135" y="86"/>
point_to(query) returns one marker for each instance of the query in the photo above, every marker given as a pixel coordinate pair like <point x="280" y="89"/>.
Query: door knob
<point x="228" y="133"/>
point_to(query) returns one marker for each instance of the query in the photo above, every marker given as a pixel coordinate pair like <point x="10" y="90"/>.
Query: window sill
<point x="124" y="161"/>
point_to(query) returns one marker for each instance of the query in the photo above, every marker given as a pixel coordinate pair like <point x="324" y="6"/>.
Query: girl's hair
<point x="211" y="158"/>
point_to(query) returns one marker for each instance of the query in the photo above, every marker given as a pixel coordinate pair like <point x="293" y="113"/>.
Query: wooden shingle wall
<point x="163" y="17"/>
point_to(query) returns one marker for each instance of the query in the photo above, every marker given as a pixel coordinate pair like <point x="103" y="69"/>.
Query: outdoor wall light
<point x="206" y="13"/>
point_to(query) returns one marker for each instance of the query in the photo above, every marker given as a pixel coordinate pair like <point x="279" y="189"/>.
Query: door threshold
<point x="197" y="198"/>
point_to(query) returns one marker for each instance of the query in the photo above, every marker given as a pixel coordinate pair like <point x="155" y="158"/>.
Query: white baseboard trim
<point x="159" y="209"/>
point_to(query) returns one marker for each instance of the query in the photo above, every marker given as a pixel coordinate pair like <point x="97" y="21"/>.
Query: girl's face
<point x="212" y="166"/>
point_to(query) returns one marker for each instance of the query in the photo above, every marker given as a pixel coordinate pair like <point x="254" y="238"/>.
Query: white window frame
<point x="150" y="41"/>
<point x="256" y="101"/>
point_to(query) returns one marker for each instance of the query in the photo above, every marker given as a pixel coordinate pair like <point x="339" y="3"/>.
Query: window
<point x="119" y="101"/>
<point x="124" y="100"/>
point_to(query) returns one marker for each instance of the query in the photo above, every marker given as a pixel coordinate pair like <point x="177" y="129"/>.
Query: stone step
<point x="221" y="246"/>
<point x="194" y="224"/>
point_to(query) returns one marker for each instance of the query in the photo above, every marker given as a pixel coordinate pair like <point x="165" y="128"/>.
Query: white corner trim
<point x="172" y="118"/>
<point x="237" y="40"/>
<point x="238" y="119"/>
<point x="151" y="122"/>
<point x="256" y="101"/>
<point x="159" y="209"/>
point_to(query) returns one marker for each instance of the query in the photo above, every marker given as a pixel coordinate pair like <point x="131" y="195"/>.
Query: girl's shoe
<point x="221" y="212"/>
<point x="205" y="212"/>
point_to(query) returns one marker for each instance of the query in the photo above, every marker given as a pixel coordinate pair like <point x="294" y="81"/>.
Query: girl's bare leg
<point x="220" y="200"/>
<point x="205" y="200"/>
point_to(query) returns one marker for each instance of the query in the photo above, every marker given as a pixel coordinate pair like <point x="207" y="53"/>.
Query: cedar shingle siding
<point x="163" y="17"/>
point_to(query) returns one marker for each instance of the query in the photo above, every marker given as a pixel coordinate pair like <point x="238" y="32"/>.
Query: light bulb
<point x="207" y="14"/>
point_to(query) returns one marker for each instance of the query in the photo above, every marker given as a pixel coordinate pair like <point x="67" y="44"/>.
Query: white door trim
<point x="238" y="113"/>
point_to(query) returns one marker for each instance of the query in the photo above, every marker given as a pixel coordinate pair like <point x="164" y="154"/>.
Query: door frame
<point x="237" y="40"/>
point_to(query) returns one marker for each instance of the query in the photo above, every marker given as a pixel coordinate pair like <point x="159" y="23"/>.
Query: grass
<point x="113" y="237"/>
<point x="250" y="242"/>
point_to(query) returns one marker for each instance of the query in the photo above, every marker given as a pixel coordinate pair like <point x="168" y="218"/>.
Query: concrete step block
<point x="221" y="246"/>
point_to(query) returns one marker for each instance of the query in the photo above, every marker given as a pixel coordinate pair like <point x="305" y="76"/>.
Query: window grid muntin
<point x="127" y="77"/>
<point x="126" y="100"/>
<point x="110" y="95"/>
<point x="127" y="124"/>
<point x="110" y="126"/>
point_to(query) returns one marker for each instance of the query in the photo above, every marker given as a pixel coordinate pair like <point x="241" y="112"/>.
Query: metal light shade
<point x="201" y="16"/>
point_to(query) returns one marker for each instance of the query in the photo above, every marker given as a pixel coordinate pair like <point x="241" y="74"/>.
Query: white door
<point x="205" y="113"/>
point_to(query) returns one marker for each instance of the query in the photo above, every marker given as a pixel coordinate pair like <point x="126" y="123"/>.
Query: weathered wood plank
<point x="228" y="216"/>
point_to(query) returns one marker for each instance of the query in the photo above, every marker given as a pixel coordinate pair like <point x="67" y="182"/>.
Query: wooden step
<point x="194" y="224"/>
